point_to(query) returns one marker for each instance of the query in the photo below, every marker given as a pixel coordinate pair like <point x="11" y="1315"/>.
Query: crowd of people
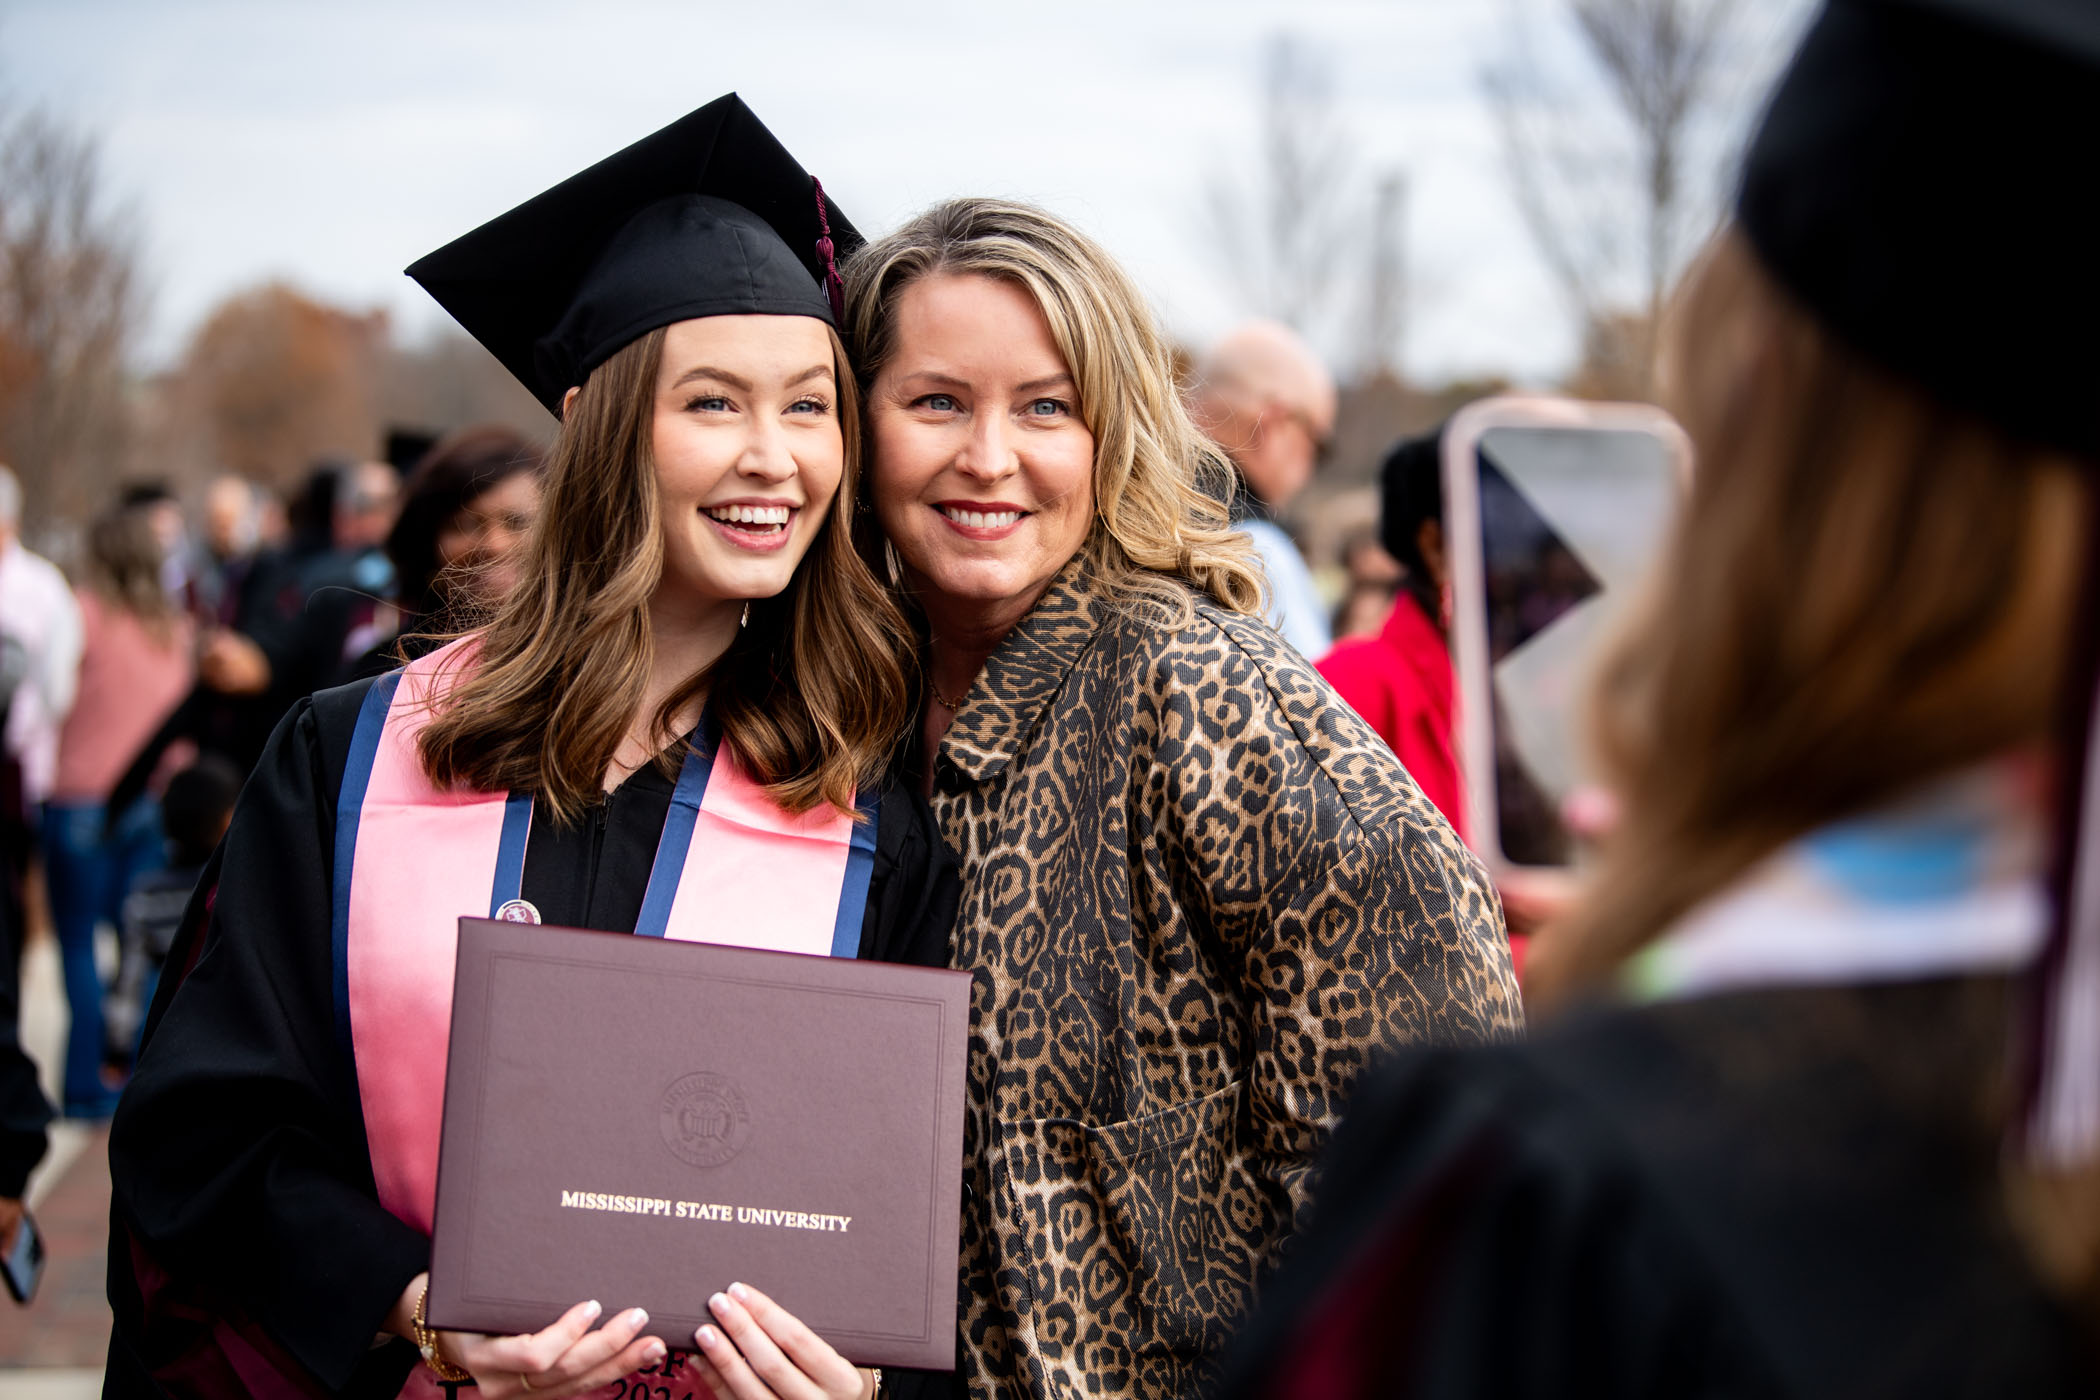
<point x="139" y="696"/>
<point x="922" y="547"/>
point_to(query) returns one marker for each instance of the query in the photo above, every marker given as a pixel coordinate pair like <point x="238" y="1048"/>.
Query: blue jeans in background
<point x="88" y="875"/>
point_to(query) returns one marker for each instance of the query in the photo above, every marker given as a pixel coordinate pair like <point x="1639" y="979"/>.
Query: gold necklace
<point x="953" y="705"/>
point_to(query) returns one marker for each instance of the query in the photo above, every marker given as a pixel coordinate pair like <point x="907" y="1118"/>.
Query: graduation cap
<point x="1919" y="184"/>
<point x="1920" y="181"/>
<point x="708" y="217"/>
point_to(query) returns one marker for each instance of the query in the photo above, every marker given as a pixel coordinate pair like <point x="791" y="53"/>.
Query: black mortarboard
<point x="1919" y="182"/>
<point x="708" y="217"/>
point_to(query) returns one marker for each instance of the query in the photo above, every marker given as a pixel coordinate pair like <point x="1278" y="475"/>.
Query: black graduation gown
<point x="415" y="639"/>
<point x="238" y="1158"/>
<point x="1781" y="1193"/>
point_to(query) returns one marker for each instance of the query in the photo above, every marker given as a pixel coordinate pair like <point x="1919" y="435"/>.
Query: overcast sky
<point x="332" y="144"/>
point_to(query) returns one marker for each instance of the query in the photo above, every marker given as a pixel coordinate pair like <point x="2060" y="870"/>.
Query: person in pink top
<point x="134" y="669"/>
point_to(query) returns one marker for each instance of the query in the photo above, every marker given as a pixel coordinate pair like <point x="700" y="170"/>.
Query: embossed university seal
<point x="705" y="1120"/>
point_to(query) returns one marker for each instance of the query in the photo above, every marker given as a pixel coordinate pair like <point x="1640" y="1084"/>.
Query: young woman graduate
<point x="1768" y="1139"/>
<point x="669" y="728"/>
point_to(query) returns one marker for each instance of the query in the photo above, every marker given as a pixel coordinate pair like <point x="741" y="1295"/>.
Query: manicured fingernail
<point x="638" y="1317"/>
<point x="718" y="1302"/>
<point x="739" y="1292"/>
<point x="709" y="1338"/>
<point x="653" y="1353"/>
<point x="592" y="1308"/>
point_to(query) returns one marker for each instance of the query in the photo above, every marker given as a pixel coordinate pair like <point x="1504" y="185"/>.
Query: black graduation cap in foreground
<point x="1920" y="184"/>
<point x="708" y="217"/>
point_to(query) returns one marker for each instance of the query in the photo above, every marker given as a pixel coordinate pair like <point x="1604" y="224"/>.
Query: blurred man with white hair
<point x="1265" y="398"/>
<point x="38" y="611"/>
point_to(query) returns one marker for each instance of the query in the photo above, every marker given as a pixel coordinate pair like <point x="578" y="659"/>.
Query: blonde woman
<point x="1198" y="892"/>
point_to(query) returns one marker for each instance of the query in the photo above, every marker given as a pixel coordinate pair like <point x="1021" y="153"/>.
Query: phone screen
<point x="1570" y="519"/>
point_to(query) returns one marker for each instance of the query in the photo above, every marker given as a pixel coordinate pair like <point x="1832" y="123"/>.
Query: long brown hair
<point x="812" y="694"/>
<point x="123" y="568"/>
<point x="1153" y="515"/>
<point x="455" y="472"/>
<point x="1866" y="589"/>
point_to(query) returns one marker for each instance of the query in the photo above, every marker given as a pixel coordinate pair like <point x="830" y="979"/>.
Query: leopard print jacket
<point x="1199" y="893"/>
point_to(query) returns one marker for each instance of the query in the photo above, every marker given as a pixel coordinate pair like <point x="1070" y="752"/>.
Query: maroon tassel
<point x="834" y="285"/>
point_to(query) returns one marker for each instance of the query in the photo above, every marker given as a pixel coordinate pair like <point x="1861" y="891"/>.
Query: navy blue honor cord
<point x="505" y="898"/>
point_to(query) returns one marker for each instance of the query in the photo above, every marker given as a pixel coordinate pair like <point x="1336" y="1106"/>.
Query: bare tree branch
<point x="1607" y="202"/>
<point x="69" y="299"/>
<point x="1386" y="300"/>
<point x="1660" y="57"/>
<point x="1282" y="227"/>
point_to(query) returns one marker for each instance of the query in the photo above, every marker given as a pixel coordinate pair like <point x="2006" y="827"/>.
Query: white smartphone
<point x="1554" y="509"/>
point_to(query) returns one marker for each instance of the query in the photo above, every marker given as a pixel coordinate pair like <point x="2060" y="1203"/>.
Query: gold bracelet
<point x="427" y="1343"/>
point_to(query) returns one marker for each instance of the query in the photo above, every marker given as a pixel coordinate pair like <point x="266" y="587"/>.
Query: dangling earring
<point x="745" y="620"/>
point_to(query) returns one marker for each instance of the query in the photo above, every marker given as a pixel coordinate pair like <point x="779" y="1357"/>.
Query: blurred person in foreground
<point x="134" y="670"/>
<point x="1199" y="896"/>
<point x="457" y="546"/>
<point x="1401" y="680"/>
<point x="1265" y="398"/>
<point x="1759" y="1143"/>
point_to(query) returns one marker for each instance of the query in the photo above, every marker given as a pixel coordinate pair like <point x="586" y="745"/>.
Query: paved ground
<point x="50" y="1385"/>
<point x="53" y="1349"/>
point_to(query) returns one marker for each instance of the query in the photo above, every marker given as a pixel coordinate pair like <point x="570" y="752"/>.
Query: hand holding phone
<point x="1553" y="511"/>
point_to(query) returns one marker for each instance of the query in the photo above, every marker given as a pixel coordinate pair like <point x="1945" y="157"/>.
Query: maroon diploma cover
<point x="644" y="1122"/>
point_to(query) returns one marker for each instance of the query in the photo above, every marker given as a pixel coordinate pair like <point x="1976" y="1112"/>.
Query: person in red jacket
<point x="1401" y="680"/>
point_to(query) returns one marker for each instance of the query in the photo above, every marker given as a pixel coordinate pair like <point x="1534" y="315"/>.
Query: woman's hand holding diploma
<point x="565" y="1359"/>
<point x="759" y="1351"/>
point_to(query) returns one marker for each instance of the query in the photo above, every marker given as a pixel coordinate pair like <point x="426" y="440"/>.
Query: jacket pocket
<point x="1139" y="1241"/>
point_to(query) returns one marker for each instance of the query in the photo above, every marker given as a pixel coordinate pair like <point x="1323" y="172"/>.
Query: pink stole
<point x="420" y="858"/>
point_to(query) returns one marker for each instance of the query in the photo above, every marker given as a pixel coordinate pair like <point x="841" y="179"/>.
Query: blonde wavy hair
<point x="1162" y="490"/>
